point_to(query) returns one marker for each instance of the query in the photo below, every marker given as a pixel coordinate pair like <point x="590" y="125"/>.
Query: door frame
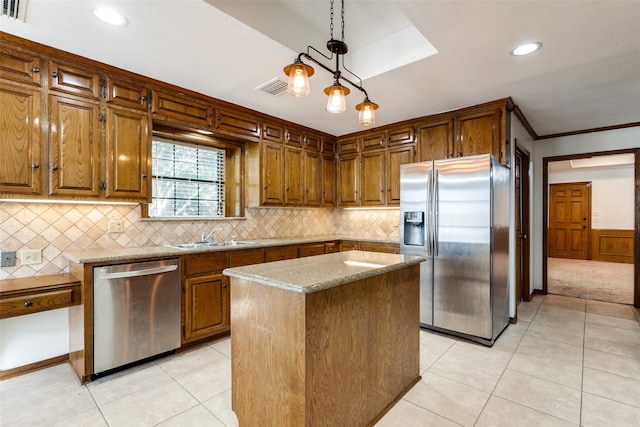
<point x="545" y="213"/>
<point x="525" y="227"/>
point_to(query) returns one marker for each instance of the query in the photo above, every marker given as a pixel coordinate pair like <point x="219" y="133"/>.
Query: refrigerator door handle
<point x="427" y="217"/>
<point x="435" y="213"/>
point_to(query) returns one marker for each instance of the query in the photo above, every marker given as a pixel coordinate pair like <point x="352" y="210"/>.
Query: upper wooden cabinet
<point x="272" y="174"/>
<point x="396" y="156"/>
<point x="294" y="138"/>
<point x="349" y="145"/>
<point x="312" y="142"/>
<point x="19" y="66"/>
<point x="128" y="158"/>
<point x="272" y="132"/>
<point x="328" y="197"/>
<point x="348" y="180"/>
<point x="293" y="178"/>
<point x="387" y="137"/>
<point x="177" y="108"/>
<point x="373" y="178"/>
<point x="238" y="124"/>
<point x="74" y="79"/>
<point x="126" y="93"/>
<point x="312" y="169"/>
<point x="21" y="159"/>
<point x="479" y="133"/>
<point x="435" y="139"/>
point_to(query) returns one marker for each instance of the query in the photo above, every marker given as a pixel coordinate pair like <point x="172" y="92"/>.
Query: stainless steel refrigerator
<point x="455" y="213"/>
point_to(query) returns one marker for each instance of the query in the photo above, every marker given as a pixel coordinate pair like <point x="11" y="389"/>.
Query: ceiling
<point x="587" y="74"/>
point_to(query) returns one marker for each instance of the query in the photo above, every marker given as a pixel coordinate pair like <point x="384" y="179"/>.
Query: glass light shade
<point x="367" y="112"/>
<point x="299" y="74"/>
<point x="337" y="98"/>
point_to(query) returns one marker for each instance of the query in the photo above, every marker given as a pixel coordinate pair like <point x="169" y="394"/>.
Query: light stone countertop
<point x="312" y="274"/>
<point x="136" y="253"/>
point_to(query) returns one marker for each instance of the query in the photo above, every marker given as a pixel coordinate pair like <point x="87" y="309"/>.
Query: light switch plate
<point x="31" y="256"/>
<point x="7" y="259"/>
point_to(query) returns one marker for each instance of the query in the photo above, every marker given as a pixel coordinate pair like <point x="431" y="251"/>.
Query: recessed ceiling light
<point x="526" y="48"/>
<point x="110" y="16"/>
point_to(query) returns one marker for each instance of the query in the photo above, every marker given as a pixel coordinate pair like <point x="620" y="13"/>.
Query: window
<point x="188" y="180"/>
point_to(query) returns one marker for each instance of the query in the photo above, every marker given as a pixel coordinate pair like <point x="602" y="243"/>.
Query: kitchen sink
<point x="202" y="245"/>
<point x="238" y="243"/>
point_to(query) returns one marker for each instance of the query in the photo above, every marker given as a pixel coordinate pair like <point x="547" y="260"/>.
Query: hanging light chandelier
<point x="300" y="72"/>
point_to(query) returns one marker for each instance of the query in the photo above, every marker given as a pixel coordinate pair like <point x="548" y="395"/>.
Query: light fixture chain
<point x="331" y="21"/>
<point x="342" y="16"/>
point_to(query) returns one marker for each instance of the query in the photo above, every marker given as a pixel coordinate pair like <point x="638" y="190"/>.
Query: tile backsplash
<point x="56" y="228"/>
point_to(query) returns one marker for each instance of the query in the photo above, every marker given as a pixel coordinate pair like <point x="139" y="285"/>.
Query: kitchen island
<point x="331" y="340"/>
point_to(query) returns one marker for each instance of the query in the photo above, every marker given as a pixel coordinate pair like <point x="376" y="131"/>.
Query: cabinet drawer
<point x="19" y="66"/>
<point x="311" y="250"/>
<point x="74" y="80"/>
<point x="240" y="258"/>
<point x="331" y="247"/>
<point x="349" y="246"/>
<point x="390" y="248"/>
<point x="207" y="263"/>
<point x="27" y="304"/>
<point x="277" y="254"/>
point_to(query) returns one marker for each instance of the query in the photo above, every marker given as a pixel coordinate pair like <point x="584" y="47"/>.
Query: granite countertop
<point x="312" y="274"/>
<point x="135" y="253"/>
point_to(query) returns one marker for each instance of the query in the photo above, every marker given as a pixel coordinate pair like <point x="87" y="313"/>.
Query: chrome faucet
<point x="210" y="237"/>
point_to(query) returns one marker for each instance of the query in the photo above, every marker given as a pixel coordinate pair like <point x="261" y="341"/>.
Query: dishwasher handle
<point x="138" y="273"/>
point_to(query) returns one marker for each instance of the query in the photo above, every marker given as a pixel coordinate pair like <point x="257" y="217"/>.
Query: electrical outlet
<point x="31" y="256"/>
<point x="8" y="259"/>
<point x="305" y="222"/>
<point x="115" y="226"/>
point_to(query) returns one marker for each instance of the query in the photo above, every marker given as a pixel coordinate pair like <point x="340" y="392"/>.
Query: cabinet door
<point x="348" y="180"/>
<point x="312" y="178"/>
<point x="294" y="138"/>
<point x="293" y="180"/>
<point x="236" y="123"/>
<point x="281" y="253"/>
<point x="246" y="257"/>
<point x="435" y="140"/>
<point x="331" y="247"/>
<point x="272" y="132"/>
<point x="328" y="147"/>
<point x="128" y="147"/>
<point x="478" y="133"/>
<point x="395" y="157"/>
<point x="74" y="146"/>
<point x="206" y="311"/>
<point x="74" y="80"/>
<point x="400" y="135"/>
<point x="349" y="246"/>
<point x="20" y="67"/>
<point x="349" y="145"/>
<point x="126" y="93"/>
<point x="328" y="180"/>
<point x="390" y="248"/>
<point x="175" y="107"/>
<point x="311" y="250"/>
<point x="312" y="142"/>
<point x="373" y="178"/>
<point x="272" y="174"/>
<point x="373" y="141"/>
<point x="20" y="140"/>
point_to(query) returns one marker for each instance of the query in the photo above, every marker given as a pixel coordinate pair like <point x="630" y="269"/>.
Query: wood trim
<point x="612" y="245"/>
<point x="32" y="367"/>
<point x="524" y="122"/>
<point x="591" y="130"/>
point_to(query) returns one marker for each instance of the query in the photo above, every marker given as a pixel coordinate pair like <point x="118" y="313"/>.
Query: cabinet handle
<point x="382" y="190"/>
<point x="54" y="167"/>
<point x="143" y="98"/>
<point x="224" y="285"/>
<point x="28" y="304"/>
<point x="459" y="154"/>
<point x="211" y="115"/>
<point x="282" y="255"/>
<point x="389" y="189"/>
<point x="54" y="74"/>
<point x="144" y="175"/>
<point x="219" y="118"/>
<point x="266" y="186"/>
<point x="35" y="165"/>
<point x="35" y="69"/>
<point x="381" y="141"/>
<point x="450" y="156"/>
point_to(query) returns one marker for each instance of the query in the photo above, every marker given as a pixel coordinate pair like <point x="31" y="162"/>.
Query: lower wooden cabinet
<point x="311" y="250"/>
<point x="281" y="253"/>
<point x="391" y="248"/>
<point x="349" y="246"/>
<point x="206" y="313"/>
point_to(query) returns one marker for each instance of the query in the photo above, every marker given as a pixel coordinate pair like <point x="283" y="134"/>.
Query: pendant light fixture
<point x="299" y="73"/>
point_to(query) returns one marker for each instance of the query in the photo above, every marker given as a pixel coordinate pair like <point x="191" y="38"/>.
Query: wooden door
<point x="522" y="267"/>
<point x="20" y="140"/>
<point x="348" y="180"/>
<point x="569" y="220"/>
<point x="373" y="179"/>
<point x="74" y="147"/>
<point x="128" y="141"/>
<point x="312" y="178"/>
<point x="293" y="180"/>
<point x="435" y="140"/>
<point x="206" y="307"/>
<point x="272" y="174"/>
<point x="478" y="133"/>
<point x="395" y="157"/>
<point x="328" y="180"/>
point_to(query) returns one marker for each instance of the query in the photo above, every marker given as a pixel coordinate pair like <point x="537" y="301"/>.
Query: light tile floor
<point x="566" y="362"/>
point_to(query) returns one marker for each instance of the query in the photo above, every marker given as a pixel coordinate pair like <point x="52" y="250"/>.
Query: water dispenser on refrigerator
<point x="414" y="228"/>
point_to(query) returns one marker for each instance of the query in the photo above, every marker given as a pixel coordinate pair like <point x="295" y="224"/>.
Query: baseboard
<point x="32" y="367"/>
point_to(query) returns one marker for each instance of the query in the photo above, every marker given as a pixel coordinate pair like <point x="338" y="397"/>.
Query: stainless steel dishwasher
<point x="136" y="312"/>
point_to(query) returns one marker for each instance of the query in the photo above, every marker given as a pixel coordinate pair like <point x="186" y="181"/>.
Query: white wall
<point x="612" y="194"/>
<point x="576" y="144"/>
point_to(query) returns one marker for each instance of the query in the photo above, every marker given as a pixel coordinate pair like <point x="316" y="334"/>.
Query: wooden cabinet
<point x="311" y="249"/>
<point x="281" y="253"/>
<point x="128" y="154"/>
<point x="272" y="132"/>
<point x="435" y="139"/>
<point x="246" y="257"/>
<point x="373" y="178"/>
<point x="328" y="146"/>
<point x="396" y="156"/>
<point x="388" y="137"/>
<point x="312" y="142"/>
<point x="74" y="146"/>
<point x="348" y="180"/>
<point x="391" y="248"/>
<point x="21" y="159"/>
<point x="294" y="138"/>
<point x="312" y="178"/>
<point x="74" y="79"/>
<point x="29" y="295"/>
<point x="349" y="246"/>
<point x="478" y="133"/>
<point x="177" y="108"/>
<point x="125" y="93"/>
<point x="235" y="123"/>
<point x="293" y="179"/>
<point x="328" y="180"/>
<point x="206" y="296"/>
<point x="331" y="247"/>
<point x="349" y="145"/>
<point x="374" y="140"/>
<point x="271" y="168"/>
<point x="20" y="66"/>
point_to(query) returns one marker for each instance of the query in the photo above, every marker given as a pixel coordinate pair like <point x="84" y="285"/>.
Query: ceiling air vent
<point x="274" y="87"/>
<point x="14" y="8"/>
